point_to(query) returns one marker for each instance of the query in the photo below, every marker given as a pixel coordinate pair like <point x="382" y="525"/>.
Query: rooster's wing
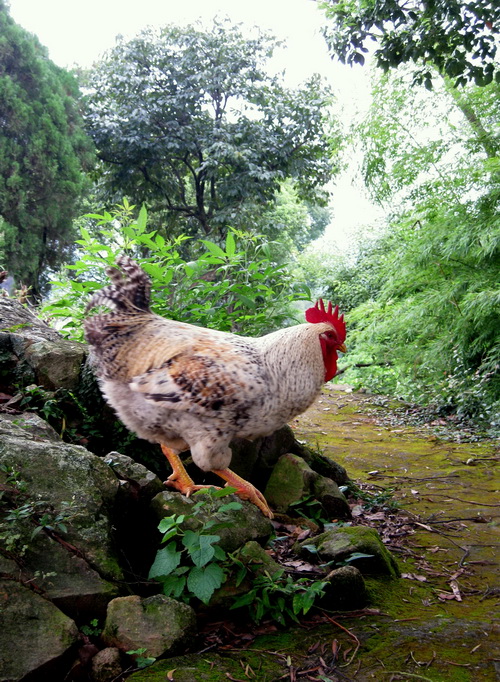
<point x="206" y="380"/>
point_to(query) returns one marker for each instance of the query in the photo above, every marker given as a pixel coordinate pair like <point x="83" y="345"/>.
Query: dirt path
<point x="442" y="621"/>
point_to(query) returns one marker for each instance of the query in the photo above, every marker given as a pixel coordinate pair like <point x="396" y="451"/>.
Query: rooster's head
<point x="332" y="340"/>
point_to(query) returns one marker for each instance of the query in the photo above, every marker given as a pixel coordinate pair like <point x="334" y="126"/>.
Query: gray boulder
<point x="345" y="589"/>
<point x="158" y="624"/>
<point x="107" y="665"/>
<point x="136" y="481"/>
<point x="31" y="352"/>
<point x="56" y="472"/>
<point x="73" y="562"/>
<point x="37" y="637"/>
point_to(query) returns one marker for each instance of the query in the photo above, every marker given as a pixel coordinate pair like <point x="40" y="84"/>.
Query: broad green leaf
<point x="166" y="560"/>
<point x="357" y="555"/>
<point x="174" y="585"/>
<point x="247" y="301"/>
<point x="219" y="553"/>
<point x="214" y="249"/>
<point x="203" y="581"/>
<point x="166" y="524"/>
<point x="244" y="600"/>
<point x="230" y="244"/>
<point x="200" y="547"/>
<point x="169" y="535"/>
<point x="230" y="506"/>
<point x="142" y="219"/>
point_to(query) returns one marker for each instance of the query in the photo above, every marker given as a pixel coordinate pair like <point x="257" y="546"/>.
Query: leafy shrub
<point x="192" y="563"/>
<point x="235" y="287"/>
<point x="280" y="597"/>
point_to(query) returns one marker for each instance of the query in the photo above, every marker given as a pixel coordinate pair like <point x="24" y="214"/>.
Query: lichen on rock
<point x="158" y="624"/>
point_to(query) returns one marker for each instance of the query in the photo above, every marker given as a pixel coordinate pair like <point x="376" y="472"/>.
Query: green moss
<point x="210" y="667"/>
<point x="435" y="480"/>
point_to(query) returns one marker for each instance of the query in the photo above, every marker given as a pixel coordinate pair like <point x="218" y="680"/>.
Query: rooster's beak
<point x="342" y="348"/>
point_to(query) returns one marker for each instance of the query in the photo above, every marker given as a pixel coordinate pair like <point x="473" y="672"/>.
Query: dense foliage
<point x="425" y="297"/>
<point x="43" y="148"/>
<point x="459" y="38"/>
<point x="236" y="287"/>
<point x="190" y="123"/>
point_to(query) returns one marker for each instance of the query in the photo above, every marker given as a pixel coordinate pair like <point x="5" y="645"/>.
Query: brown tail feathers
<point x="129" y="290"/>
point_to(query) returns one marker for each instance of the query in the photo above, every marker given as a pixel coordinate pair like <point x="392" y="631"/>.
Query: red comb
<point x="321" y="314"/>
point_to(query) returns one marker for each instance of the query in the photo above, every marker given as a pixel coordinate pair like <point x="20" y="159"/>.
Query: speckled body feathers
<point x="190" y="387"/>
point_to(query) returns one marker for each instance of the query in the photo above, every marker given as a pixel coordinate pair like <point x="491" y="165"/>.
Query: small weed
<point x="140" y="660"/>
<point x="382" y="498"/>
<point x="308" y="507"/>
<point x="280" y="597"/>
<point x="92" y="629"/>
<point x="23" y="518"/>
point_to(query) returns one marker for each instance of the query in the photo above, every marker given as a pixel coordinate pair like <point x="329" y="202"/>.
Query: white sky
<point x="77" y="32"/>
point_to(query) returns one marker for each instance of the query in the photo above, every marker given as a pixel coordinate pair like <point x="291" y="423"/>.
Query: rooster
<point x="187" y="387"/>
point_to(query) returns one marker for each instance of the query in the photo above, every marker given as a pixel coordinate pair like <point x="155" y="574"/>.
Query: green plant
<point x="308" y="507"/>
<point x="23" y="518"/>
<point x="93" y="629"/>
<point x="192" y="563"/>
<point x="37" y="399"/>
<point x="380" y="498"/>
<point x="140" y="660"/>
<point x="280" y="597"/>
<point x="236" y="286"/>
<point x="424" y="295"/>
<point x="190" y="122"/>
<point x="41" y="120"/>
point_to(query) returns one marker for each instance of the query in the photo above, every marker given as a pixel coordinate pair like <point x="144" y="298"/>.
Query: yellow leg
<point x="180" y="479"/>
<point x="245" y="490"/>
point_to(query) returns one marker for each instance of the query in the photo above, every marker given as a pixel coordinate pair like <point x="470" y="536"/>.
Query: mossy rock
<point x="346" y="589"/>
<point x="158" y="624"/>
<point x="137" y="482"/>
<point x="293" y="479"/>
<point x="243" y="525"/>
<point x="57" y="473"/>
<point x="257" y="559"/>
<point x="258" y="562"/>
<point x="340" y="544"/>
<point x="36" y="636"/>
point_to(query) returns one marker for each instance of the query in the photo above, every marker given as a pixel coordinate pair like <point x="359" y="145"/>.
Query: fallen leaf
<point x="456" y="591"/>
<point x="414" y="576"/>
<point x="378" y="516"/>
<point x="304" y="534"/>
<point x="423" y="525"/>
<point x="445" y="596"/>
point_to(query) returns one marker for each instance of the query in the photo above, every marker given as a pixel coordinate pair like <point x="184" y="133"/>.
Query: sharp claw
<point x="251" y="494"/>
<point x="185" y="488"/>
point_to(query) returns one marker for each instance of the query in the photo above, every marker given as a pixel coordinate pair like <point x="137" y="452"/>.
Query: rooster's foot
<point x="186" y="486"/>
<point x="245" y="490"/>
<point x="179" y="478"/>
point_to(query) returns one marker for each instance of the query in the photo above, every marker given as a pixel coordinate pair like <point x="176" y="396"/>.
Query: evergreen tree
<point x="43" y="148"/>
